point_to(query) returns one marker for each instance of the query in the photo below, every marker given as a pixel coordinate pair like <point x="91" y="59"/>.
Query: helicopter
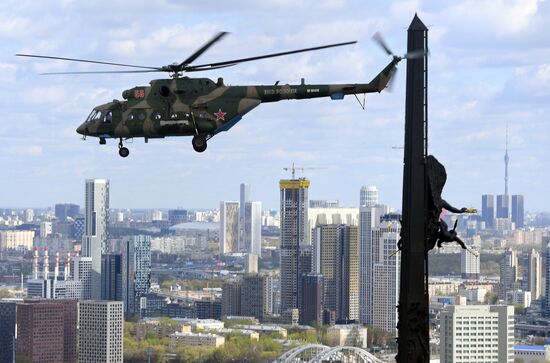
<point x="200" y="107"/>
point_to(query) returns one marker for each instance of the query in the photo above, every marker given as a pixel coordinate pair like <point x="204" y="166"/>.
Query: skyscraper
<point x="229" y="227"/>
<point x="546" y="299"/>
<point x="252" y="231"/>
<point x="508" y="272"/>
<point x="369" y="218"/>
<point x="294" y="205"/>
<point x="95" y="234"/>
<point x="312" y="307"/>
<point x="503" y="206"/>
<point x="469" y="265"/>
<point x="517" y="210"/>
<point x="534" y="274"/>
<point x="231" y="298"/>
<point x="7" y="331"/>
<point x="386" y="271"/>
<point x="46" y="331"/>
<point x="136" y="271"/>
<point x="244" y="198"/>
<point x="253" y="296"/>
<point x="111" y="277"/>
<point x="101" y="332"/>
<point x="336" y="258"/>
<point x="368" y="196"/>
<point x="488" y="210"/>
<point x="474" y="333"/>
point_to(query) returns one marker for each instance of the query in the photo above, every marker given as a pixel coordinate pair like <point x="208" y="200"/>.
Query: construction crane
<point x="294" y="168"/>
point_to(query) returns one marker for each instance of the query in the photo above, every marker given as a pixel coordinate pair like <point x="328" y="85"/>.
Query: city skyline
<point x="472" y="94"/>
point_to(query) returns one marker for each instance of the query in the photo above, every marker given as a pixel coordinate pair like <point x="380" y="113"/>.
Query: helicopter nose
<point x="82" y="129"/>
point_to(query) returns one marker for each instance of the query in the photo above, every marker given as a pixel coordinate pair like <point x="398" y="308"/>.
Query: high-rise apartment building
<point x="231" y="299"/>
<point x="136" y="271"/>
<point x="46" y="331"/>
<point x="369" y="218"/>
<point x="7" y="331"/>
<point x="95" y="234"/>
<point x="509" y="271"/>
<point x="229" y="227"/>
<point x="244" y="197"/>
<point x="469" y="265"/>
<point x="368" y="196"/>
<point x="111" y="277"/>
<point x="546" y="299"/>
<point x="294" y="208"/>
<point x="101" y="332"/>
<point x="82" y="271"/>
<point x="16" y="240"/>
<point x="534" y="274"/>
<point x="62" y="211"/>
<point x="336" y="258"/>
<point x="517" y="211"/>
<point x="503" y="206"/>
<point x="252" y="231"/>
<point x="253" y="296"/>
<point x="488" y="210"/>
<point x="477" y="333"/>
<point x="385" y="272"/>
<point x="311" y="311"/>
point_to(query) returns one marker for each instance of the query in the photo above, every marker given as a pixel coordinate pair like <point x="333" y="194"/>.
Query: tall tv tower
<point x="506" y="160"/>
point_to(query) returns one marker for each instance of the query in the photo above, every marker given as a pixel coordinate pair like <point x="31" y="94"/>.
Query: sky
<point x="489" y="65"/>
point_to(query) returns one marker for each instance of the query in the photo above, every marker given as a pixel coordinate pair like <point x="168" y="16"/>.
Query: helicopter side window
<point x="108" y="118"/>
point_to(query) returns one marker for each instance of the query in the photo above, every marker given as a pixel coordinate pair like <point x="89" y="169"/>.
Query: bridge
<point x="317" y="353"/>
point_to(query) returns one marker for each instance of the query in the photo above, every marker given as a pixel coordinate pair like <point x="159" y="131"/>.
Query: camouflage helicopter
<point x="200" y="107"/>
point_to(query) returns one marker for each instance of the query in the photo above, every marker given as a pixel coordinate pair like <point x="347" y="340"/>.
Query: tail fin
<point x="380" y="82"/>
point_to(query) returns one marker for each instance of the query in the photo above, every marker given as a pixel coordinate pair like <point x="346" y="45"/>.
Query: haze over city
<point x="488" y="66"/>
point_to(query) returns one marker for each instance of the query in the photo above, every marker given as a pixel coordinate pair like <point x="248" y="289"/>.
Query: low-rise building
<point x="159" y="327"/>
<point x="351" y="335"/>
<point x="520" y="297"/>
<point x="202" y="324"/>
<point x="195" y="339"/>
<point x="264" y="329"/>
<point x="532" y="353"/>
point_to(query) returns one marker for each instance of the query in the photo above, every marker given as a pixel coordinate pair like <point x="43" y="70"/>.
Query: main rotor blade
<point x="418" y="53"/>
<point x="378" y="39"/>
<point x="203" y="49"/>
<point x="196" y="69"/>
<point x="235" y="61"/>
<point x="99" y="72"/>
<point x="85" y="61"/>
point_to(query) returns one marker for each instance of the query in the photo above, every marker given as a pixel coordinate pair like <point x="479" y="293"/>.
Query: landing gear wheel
<point x="199" y="143"/>
<point x="123" y="151"/>
<point x="102" y="141"/>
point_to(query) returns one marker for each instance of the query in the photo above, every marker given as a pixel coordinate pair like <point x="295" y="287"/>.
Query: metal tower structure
<point x="413" y="326"/>
<point x="506" y="160"/>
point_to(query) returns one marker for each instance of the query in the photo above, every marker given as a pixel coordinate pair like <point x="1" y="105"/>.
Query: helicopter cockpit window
<point x="94" y="115"/>
<point x="108" y="118"/>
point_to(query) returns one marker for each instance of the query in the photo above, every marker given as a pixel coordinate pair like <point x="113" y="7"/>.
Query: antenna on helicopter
<point x="293" y="169"/>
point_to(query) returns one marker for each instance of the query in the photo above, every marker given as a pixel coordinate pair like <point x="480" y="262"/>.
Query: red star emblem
<point x="220" y="115"/>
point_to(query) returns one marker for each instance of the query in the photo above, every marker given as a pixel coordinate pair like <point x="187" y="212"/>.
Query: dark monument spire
<point x="413" y="325"/>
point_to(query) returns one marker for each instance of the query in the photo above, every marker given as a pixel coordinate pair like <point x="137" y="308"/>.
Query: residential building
<point x="252" y="228"/>
<point x="253" y="296"/>
<point x="368" y="196"/>
<point x="336" y="257"/>
<point x="101" y="332"/>
<point x="229" y="227"/>
<point x="178" y="216"/>
<point x="16" y="240"/>
<point x="244" y="197"/>
<point x="324" y="203"/>
<point x="111" y="277"/>
<point x="534" y="274"/>
<point x="353" y="335"/>
<point x="477" y="333"/>
<point x="82" y="271"/>
<point x="208" y="309"/>
<point x="518" y="297"/>
<point x="509" y="271"/>
<point x="7" y="331"/>
<point x="231" y="299"/>
<point x="488" y="210"/>
<point x="546" y="299"/>
<point x="136" y="271"/>
<point x="294" y="212"/>
<point x="178" y="340"/>
<point x="46" y="331"/>
<point x="311" y="310"/>
<point x="95" y="234"/>
<point x="386" y="269"/>
<point x="66" y="210"/>
<point x="503" y="205"/>
<point x="469" y="264"/>
<point x="517" y="211"/>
